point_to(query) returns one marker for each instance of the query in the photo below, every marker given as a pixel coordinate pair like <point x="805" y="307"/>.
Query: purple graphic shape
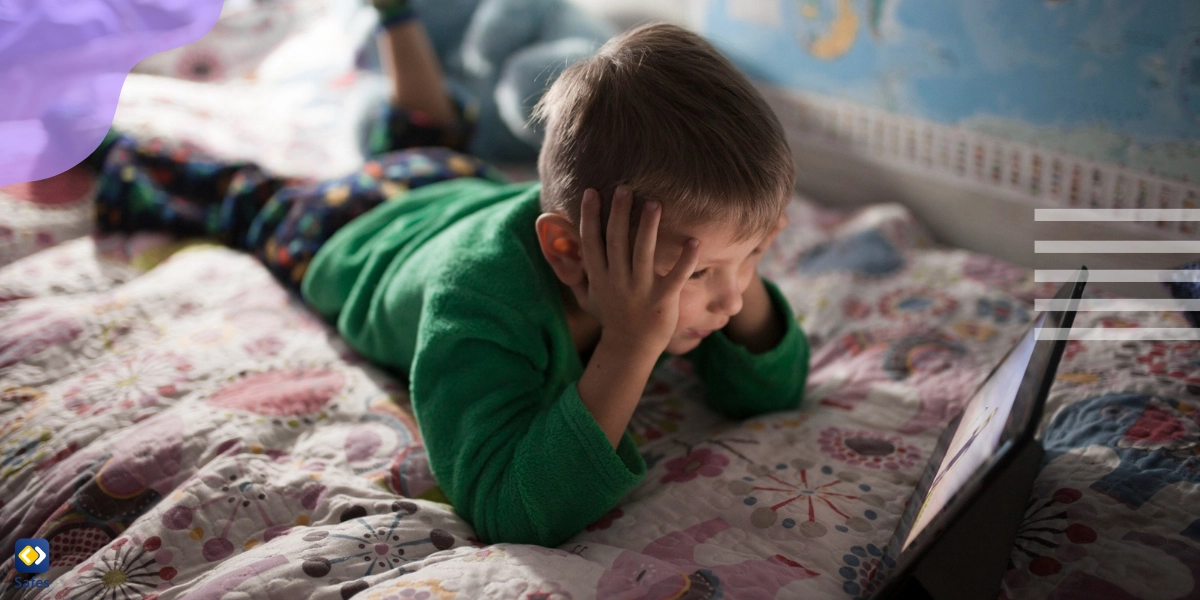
<point x="62" y="65"/>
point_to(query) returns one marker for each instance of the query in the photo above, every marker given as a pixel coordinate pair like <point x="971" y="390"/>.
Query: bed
<point x="178" y="426"/>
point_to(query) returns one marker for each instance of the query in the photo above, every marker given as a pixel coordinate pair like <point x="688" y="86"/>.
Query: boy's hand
<point x="637" y="309"/>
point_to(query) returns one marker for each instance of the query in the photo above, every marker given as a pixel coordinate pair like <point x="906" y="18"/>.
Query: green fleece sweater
<point x="446" y="284"/>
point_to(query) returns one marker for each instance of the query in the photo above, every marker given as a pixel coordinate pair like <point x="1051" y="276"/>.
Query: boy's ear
<point x="560" y="244"/>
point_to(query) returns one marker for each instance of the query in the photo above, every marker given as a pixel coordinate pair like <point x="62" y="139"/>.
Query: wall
<point x="1115" y="82"/>
<point x="976" y="112"/>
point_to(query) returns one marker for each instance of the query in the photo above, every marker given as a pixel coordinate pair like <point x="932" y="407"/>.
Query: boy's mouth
<point x="703" y="333"/>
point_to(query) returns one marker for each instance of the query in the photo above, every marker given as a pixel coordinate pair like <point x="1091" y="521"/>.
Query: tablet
<point x="987" y="454"/>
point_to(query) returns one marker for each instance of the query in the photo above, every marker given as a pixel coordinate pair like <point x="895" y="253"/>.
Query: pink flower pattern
<point x="607" y="520"/>
<point x="868" y="448"/>
<point x="701" y="462"/>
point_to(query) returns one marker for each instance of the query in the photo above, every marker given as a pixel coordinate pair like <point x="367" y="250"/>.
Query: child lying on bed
<point x="529" y="317"/>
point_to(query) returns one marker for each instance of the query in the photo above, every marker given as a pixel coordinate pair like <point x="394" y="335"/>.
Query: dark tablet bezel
<point x="1019" y="430"/>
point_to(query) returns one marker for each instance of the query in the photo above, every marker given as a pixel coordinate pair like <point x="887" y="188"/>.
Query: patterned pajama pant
<point x="150" y="185"/>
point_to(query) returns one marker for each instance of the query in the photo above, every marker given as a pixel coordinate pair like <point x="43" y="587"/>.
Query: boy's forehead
<point x="717" y="240"/>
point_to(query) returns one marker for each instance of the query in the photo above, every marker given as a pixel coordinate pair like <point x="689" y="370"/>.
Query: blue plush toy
<point x="505" y="53"/>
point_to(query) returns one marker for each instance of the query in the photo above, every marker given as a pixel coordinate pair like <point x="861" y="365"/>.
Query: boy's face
<point x="725" y="270"/>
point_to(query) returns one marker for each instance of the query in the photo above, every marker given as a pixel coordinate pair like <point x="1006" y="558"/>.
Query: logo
<point x="33" y="555"/>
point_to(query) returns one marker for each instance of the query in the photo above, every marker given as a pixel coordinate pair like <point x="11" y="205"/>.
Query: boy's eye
<point x="699" y="274"/>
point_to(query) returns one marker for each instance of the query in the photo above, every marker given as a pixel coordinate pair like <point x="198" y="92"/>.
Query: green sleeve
<point x="516" y="452"/>
<point x="741" y="384"/>
<point x="346" y="258"/>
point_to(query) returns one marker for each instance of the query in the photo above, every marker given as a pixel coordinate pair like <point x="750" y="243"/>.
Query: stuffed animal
<point x="504" y="54"/>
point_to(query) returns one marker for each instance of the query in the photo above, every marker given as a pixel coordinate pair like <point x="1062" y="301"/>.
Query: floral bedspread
<point x="190" y="430"/>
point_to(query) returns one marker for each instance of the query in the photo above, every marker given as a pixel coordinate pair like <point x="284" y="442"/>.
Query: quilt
<point x="177" y="425"/>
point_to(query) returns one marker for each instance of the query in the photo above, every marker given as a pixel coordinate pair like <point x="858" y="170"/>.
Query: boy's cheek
<point x="746" y="277"/>
<point x="688" y="299"/>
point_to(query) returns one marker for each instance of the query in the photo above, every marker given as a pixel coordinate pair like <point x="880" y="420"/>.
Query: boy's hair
<point x="661" y="110"/>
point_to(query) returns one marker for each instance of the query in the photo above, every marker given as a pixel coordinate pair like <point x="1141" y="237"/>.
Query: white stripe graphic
<point x="1116" y="247"/>
<point x="1118" y="275"/>
<point x="1166" y="334"/>
<point x="1116" y="214"/>
<point x="1118" y="304"/>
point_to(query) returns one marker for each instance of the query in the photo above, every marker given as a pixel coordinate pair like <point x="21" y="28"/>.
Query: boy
<point x="527" y="318"/>
<point x="528" y="335"/>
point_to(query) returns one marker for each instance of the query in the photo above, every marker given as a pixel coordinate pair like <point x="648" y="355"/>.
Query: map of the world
<point x="1116" y="80"/>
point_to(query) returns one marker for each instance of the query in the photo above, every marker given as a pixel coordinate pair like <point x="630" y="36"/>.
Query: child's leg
<point x="409" y="60"/>
<point x="422" y="111"/>
<point x="409" y="145"/>
<point x="400" y="129"/>
<point x="153" y="185"/>
<point x="294" y="224"/>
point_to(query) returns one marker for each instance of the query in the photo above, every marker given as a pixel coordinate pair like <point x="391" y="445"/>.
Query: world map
<point x="1114" y="81"/>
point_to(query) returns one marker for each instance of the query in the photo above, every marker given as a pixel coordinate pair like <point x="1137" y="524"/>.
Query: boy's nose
<point x="729" y="298"/>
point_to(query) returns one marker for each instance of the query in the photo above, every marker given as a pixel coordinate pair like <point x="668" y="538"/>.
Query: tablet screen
<point x="979" y="431"/>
